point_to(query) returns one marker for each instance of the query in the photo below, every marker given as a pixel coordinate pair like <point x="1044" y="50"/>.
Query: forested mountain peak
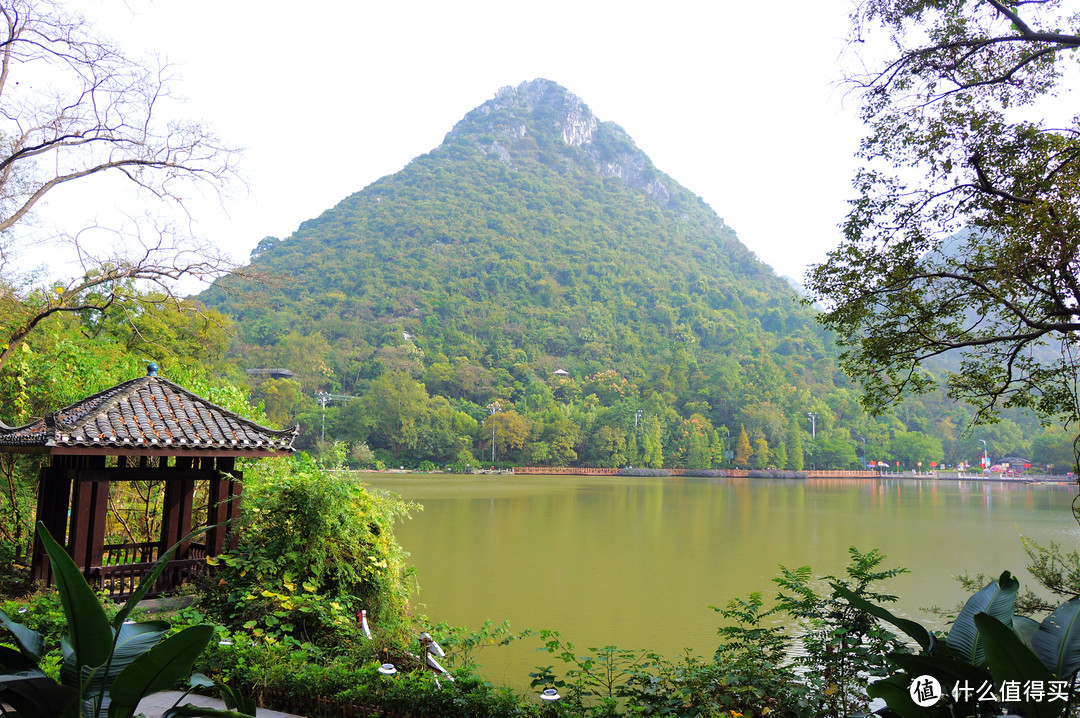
<point x="542" y="107"/>
<point x="535" y="238"/>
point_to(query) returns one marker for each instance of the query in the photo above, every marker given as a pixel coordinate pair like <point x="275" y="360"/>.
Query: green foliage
<point x="816" y="662"/>
<point x="108" y="665"/>
<point x="842" y="644"/>
<point x="315" y="547"/>
<point x="742" y="448"/>
<point x="959" y="257"/>
<point x="987" y="644"/>
<point x="473" y="276"/>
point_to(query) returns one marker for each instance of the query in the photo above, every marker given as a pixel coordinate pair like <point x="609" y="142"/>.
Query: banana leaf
<point x="949" y="671"/>
<point x="158" y="669"/>
<point x="89" y="633"/>
<point x="895" y="691"/>
<point x="132" y="640"/>
<point x="1025" y="628"/>
<point x="996" y="599"/>
<point x="1057" y="642"/>
<point x="1010" y="660"/>
<point x="29" y="641"/>
<point x="34" y="695"/>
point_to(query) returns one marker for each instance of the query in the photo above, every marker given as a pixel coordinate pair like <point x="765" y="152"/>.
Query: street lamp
<point x="493" y="407"/>
<point x="812" y="416"/>
<point x="986" y="457"/>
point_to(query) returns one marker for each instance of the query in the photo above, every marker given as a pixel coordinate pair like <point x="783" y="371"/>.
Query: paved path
<point x="153" y="706"/>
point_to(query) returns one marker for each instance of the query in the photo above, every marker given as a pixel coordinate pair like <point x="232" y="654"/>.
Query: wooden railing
<point x="120" y="574"/>
<point x="121" y="554"/>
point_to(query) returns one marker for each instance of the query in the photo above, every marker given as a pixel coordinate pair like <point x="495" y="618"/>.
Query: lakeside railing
<point x="734" y="473"/>
<point x="813" y="474"/>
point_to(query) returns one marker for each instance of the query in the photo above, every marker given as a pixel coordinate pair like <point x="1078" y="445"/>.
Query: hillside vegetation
<point x="537" y="261"/>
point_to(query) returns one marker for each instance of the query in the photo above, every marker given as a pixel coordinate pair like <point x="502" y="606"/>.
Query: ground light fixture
<point x="550" y="694"/>
<point x="387" y="669"/>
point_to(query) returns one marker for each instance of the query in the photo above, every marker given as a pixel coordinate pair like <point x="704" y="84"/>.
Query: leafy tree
<point x="1002" y="438"/>
<point x="652" y="449"/>
<point x="1054" y="447"/>
<point x="834" y="452"/>
<point x="507" y="429"/>
<point x="281" y="399"/>
<point x="760" y="458"/>
<point x="394" y="405"/>
<point x="780" y="456"/>
<point x="912" y="447"/>
<point x="631" y="450"/>
<point x="963" y="237"/>
<point x="796" y="457"/>
<point x="608" y="447"/>
<point x="742" y="448"/>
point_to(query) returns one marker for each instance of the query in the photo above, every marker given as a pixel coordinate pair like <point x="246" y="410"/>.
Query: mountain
<point x="535" y="238"/>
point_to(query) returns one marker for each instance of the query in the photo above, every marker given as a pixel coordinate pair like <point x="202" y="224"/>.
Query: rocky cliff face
<point x="541" y="108"/>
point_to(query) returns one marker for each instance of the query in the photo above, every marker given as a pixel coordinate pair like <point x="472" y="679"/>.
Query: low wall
<point x="734" y="473"/>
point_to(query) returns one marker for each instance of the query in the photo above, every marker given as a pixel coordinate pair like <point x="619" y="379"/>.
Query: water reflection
<point x="637" y="562"/>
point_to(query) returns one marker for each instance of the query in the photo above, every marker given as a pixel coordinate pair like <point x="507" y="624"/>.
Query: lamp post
<point x="986" y="457"/>
<point x="493" y="407"/>
<point x="812" y="416"/>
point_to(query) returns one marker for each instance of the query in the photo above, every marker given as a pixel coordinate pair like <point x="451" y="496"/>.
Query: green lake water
<point x="637" y="562"/>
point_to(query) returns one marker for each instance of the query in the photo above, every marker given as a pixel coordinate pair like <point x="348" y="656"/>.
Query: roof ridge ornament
<point x="152" y="369"/>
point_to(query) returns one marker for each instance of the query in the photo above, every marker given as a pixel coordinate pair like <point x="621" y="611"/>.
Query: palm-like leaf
<point x="921" y="636"/>
<point x="132" y="640"/>
<point x="996" y="599"/>
<point x="89" y="633"/>
<point x="1010" y="660"/>
<point x="1057" y="642"/>
<point x="33" y="695"/>
<point x="29" y="641"/>
<point x="894" y="691"/>
<point x="158" y="669"/>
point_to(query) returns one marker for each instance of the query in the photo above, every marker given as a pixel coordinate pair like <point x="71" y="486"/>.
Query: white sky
<point x="738" y="102"/>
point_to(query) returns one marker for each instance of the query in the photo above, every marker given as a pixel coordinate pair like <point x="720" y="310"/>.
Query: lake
<point x="637" y="562"/>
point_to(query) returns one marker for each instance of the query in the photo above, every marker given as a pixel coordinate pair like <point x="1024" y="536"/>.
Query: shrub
<point x="315" y="548"/>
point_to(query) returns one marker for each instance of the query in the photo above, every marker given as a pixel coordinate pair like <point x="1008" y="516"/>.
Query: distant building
<point x="272" y="373"/>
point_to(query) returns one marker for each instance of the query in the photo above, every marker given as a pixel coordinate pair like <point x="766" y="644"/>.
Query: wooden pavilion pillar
<point x="89" y="511"/>
<point x="226" y="488"/>
<point x="176" y="514"/>
<point x="54" y="493"/>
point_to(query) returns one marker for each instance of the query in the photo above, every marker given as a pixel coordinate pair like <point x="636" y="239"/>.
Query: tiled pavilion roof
<point x="148" y="414"/>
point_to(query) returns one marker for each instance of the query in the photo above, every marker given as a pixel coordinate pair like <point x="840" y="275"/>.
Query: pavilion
<point x="146" y="429"/>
